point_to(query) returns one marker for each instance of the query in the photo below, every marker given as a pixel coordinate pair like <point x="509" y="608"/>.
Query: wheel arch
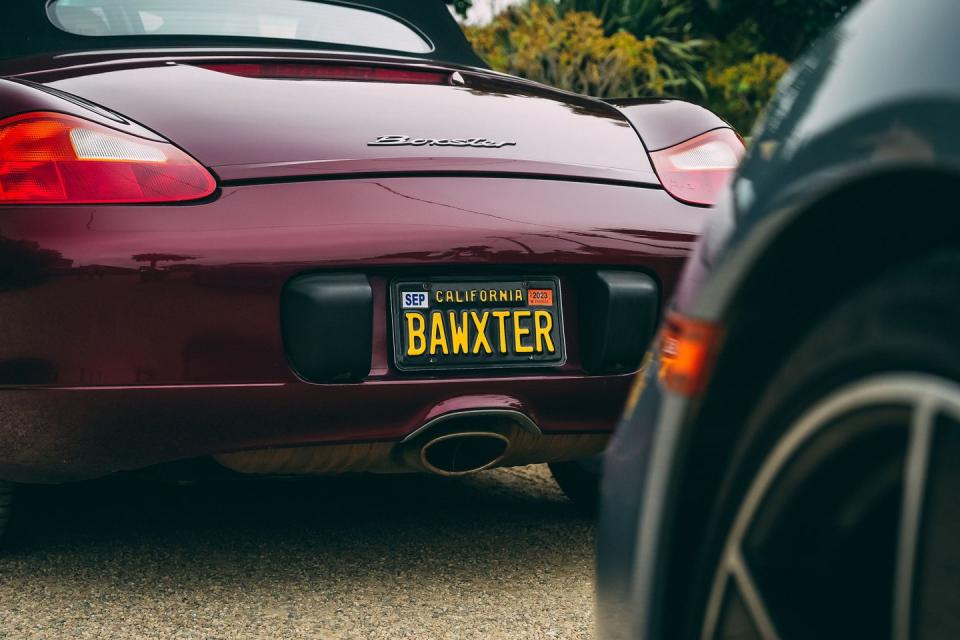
<point x="840" y="241"/>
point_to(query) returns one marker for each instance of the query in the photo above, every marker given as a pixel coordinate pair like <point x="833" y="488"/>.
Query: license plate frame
<point x="468" y="362"/>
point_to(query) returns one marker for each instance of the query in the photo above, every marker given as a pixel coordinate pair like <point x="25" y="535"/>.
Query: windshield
<point x="303" y="20"/>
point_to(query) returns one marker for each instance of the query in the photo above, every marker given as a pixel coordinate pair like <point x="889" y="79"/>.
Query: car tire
<point x="578" y="483"/>
<point x="6" y="505"/>
<point x="807" y="535"/>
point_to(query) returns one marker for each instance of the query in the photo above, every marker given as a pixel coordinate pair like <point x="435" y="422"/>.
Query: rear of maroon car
<point x="323" y="261"/>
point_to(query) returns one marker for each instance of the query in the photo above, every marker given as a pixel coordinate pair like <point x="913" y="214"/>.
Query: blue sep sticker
<point x="414" y="300"/>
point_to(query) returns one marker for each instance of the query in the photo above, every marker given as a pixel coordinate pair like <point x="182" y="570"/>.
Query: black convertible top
<point x="26" y="30"/>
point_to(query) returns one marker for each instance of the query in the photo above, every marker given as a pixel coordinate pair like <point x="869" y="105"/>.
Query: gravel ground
<point x="498" y="555"/>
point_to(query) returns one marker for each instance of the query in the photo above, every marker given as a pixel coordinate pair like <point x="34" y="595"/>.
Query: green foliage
<point x="784" y="27"/>
<point x="668" y="18"/>
<point x="666" y="21"/>
<point x="740" y="92"/>
<point x="571" y="50"/>
<point x="729" y="57"/>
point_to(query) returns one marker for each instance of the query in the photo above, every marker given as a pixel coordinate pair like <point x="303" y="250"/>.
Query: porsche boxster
<point x="320" y="237"/>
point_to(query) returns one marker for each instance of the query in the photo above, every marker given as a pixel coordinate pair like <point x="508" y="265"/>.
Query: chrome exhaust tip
<point x="460" y="453"/>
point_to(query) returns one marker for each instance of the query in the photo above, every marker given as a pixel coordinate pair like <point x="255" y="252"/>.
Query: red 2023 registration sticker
<point x="540" y="297"/>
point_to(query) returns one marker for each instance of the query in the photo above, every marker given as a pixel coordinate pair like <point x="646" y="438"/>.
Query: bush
<point x="740" y="92"/>
<point x="784" y="27"/>
<point x="626" y="48"/>
<point x="571" y="51"/>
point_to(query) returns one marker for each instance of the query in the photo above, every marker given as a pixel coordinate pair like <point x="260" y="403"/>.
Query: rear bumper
<point x="60" y="434"/>
<point x="641" y="476"/>
<point x="136" y="335"/>
<point x="626" y="474"/>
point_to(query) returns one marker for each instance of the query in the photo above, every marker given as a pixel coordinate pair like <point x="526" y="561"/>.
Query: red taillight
<point x="308" y="71"/>
<point x="57" y="158"/>
<point x="686" y="346"/>
<point x="696" y="171"/>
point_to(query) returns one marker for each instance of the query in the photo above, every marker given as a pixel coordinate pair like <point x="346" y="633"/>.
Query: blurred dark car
<point x="786" y="467"/>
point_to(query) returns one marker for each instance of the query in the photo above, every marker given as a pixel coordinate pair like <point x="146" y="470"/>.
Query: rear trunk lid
<point x="255" y="128"/>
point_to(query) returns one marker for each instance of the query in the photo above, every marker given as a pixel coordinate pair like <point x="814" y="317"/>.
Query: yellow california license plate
<point x="440" y="323"/>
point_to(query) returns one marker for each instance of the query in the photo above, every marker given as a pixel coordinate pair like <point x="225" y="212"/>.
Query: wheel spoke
<point x="922" y="399"/>
<point x="915" y="478"/>
<point x="752" y="598"/>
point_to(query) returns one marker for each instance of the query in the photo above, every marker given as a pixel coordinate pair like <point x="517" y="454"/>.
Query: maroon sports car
<point x="319" y="237"/>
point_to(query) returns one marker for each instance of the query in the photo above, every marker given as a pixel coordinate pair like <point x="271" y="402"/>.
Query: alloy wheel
<point x="825" y="541"/>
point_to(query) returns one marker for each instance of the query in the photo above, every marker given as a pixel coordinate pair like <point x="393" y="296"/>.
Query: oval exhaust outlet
<point x="457" y="454"/>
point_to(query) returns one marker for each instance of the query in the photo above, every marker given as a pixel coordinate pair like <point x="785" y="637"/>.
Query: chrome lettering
<point x="407" y="141"/>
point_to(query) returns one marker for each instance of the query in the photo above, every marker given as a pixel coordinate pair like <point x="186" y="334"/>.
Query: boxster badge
<point x="407" y="141"/>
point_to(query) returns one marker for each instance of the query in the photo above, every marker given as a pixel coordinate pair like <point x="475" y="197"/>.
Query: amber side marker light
<point x="686" y="347"/>
<point x="55" y="158"/>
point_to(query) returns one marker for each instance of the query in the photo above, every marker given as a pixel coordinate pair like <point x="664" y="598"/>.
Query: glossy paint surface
<point x="664" y="123"/>
<point x="250" y="128"/>
<point x="199" y="285"/>
<point x="838" y="117"/>
<point x="133" y="335"/>
<point x="111" y="300"/>
<point x="854" y="106"/>
<point x="91" y="431"/>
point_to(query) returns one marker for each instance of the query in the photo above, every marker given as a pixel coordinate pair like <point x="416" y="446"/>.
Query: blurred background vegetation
<point x="728" y="57"/>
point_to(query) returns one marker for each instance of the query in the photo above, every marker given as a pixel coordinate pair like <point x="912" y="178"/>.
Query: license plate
<point x="472" y="324"/>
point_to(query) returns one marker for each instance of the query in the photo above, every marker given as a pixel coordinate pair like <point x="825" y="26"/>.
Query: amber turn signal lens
<point x="686" y="346"/>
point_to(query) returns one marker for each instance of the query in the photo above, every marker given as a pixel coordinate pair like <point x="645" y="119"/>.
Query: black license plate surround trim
<point x="394" y="305"/>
